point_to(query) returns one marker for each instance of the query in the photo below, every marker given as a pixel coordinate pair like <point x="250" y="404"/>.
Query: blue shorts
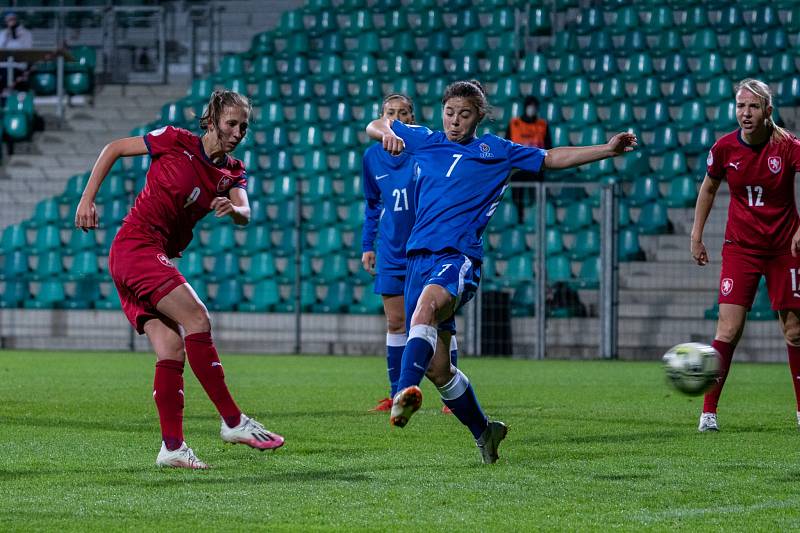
<point x="449" y="269"/>
<point x="390" y="284"/>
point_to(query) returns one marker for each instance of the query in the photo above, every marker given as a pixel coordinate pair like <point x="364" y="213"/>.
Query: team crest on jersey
<point x="726" y="286"/>
<point x="710" y="159"/>
<point x="485" y="153"/>
<point x="774" y="164"/>
<point x="224" y="184"/>
<point x="164" y="260"/>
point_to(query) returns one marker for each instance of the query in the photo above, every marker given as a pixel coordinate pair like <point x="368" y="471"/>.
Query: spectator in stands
<point x="762" y="235"/>
<point x="532" y="131"/>
<point x="15" y="36"/>
<point x="388" y="183"/>
<point x="462" y="180"/>
<point x="189" y="177"/>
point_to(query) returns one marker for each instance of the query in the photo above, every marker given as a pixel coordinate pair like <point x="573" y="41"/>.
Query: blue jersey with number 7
<point x="460" y="186"/>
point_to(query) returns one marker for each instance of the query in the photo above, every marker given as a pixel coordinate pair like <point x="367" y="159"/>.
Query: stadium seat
<point x="257" y="239"/>
<point x="611" y="91"/>
<point x="626" y="20"/>
<point x="510" y="242"/>
<point x="530" y="217"/>
<point x="395" y="23"/>
<point x="694" y="18"/>
<point x="653" y="219"/>
<point x="229" y="294"/>
<point x="17" y="126"/>
<point x="338" y="298"/>
<point x="261" y="44"/>
<point x="49" y="264"/>
<point x="558" y="269"/>
<point x="730" y="19"/>
<point x="505" y="216"/>
<point x="644" y="90"/>
<point x="225" y="265"/>
<point x="674" y="67"/>
<point x="604" y="66"/>
<point x="50" y="295"/>
<point x="562" y="43"/>
<point x="589" y="21"/>
<point x="682" y="192"/>
<point x="532" y="66"/>
<point x="428" y="23"/>
<point x="84" y="266"/>
<point x="554" y="242"/>
<point x="220" y="239"/>
<point x="369" y="303"/>
<point x="724" y="116"/>
<point x="265" y="295"/>
<point x="538" y="21"/>
<point x="518" y="269"/>
<point x="788" y="93"/>
<point x="328" y="241"/>
<point x="577" y="216"/>
<point x="658" y="19"/>
<point x="583" y="114"/>
<point x="47" y="238"/>
<point x="291" y="22"/>
<point x="600" y="44"/>
<point x="15" y="265"/>
<point x="628" y="248"/>
<point x="683" y="90"/>
<point x="633" y="42"/>
<point x="668" y="42"/>
<point x="587" y="243"/>
<point x="664" y="138"/>
<point x="523" y="301"/>
<point x="655" y="114"/>
<point x="501" y="21"/>
<point x="700" y="139"/>
<point x="307" y="298"/>
<point x="191" y="265"/>
<point x="589" y="273"/>
<point x="690" y="114"/>
<point x="766" y="19"/>
<point x="719" y="89"/>
<point x="781" y="66"/>
<point x="644" y="190"/>
<point x="14" y="294"/>
<point x="14" y="238"/>
<point x="569" y="66"/>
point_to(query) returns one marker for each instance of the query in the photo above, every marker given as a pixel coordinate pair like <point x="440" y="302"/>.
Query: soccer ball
<point x="691" y="367"/>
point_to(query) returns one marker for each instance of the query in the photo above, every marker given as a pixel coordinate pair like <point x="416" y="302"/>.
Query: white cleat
<point x="490" y="441"/>
<point x="252" y="433"/>
<point x="405" y="403"/>
<point x="798" y="418"/>
<point x="708" y="422"/>
<point x="183" y="457"/>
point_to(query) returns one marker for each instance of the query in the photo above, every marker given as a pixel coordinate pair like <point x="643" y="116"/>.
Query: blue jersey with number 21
<point x="460" y="186"/>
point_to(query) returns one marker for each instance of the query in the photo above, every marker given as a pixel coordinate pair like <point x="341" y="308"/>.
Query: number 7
<point x="457" y="159"/>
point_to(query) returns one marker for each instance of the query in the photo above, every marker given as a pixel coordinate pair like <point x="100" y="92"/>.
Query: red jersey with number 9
<point x="762" y="216"/>
<point x="181" y="183"/>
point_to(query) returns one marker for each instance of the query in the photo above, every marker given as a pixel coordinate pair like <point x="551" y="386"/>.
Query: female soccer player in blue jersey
<point x="388" y="182"/>
<point x="462" y="180"/>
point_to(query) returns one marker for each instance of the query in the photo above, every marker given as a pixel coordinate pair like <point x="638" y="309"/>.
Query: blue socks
<point x="417" y="355"/>
<point x="395" y="344"/>
<point x="458" y="395"/>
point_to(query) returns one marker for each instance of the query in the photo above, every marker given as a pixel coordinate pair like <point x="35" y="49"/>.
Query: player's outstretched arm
<point x="573" y="156"/>
<point x="86" y="213"/>
<point x="381" y="130"/>
<point x="705" y="199"/>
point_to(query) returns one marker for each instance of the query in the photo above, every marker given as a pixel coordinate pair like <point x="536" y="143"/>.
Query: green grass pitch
<point x="592" y="446"/>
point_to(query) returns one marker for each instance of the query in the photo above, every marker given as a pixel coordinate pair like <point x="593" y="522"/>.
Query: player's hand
<point x="86" y="215"/>
<point x="222" y="206"/>
<point x="796" y="243"/>
<point x="393" y="144"/>
<point x="368" y="260"/>
<point x="622" y="142"/>
<point x="699" y="253"/>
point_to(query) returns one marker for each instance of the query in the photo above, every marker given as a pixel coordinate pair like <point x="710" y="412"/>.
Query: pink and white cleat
<point x="251" y="433"/>
<point x="405" y="403"/>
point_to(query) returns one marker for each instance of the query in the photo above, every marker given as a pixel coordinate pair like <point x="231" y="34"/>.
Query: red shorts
<point x="143" y="274"/>
<point x="742" y="271"/>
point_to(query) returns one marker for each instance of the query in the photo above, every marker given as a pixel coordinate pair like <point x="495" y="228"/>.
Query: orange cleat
<point x="383" y="405"/>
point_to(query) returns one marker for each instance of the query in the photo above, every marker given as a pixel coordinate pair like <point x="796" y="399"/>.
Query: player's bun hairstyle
<point x="471" y="90"/>
<point x="220" y="99"/>
<point x="401" y="96"/>
<point x="761" y="90"/>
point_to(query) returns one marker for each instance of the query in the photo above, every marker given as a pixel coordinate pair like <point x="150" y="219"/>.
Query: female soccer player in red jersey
<point x="762" y="236"/>
<point x="189" y="176"/>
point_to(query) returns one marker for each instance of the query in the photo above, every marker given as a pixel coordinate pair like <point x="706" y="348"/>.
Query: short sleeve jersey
<point x="389" y="195"/>
<point x="762" y="216"/>
<point x="460" y="186"/>
<point x="181" y="183"/>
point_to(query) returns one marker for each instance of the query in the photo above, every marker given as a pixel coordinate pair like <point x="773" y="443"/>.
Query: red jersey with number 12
<point x="762" y="216"/>
<point x="180" y="185"/>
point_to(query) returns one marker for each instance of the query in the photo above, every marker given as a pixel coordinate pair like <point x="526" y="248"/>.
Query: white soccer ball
<point x="692" y="367"/>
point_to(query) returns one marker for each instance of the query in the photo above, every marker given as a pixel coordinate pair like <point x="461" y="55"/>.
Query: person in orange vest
<point x="527" y="130"/>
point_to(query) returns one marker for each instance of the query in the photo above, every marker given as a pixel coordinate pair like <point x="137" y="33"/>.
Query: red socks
<point x="726" y="356"/>
<point x="168" y="394"/>
<point x="794" y="367"/>
<point x="204" y="360"/>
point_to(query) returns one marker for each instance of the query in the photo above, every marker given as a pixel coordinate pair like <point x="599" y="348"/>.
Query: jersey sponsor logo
<point x="485" y="151"/>
<point x="164" y="260"/>
<point x="710" y="159"/>
<point x="726" y="286"/>
<point x="735" y="164"/>
<point x="224" y="184"/>
<point x="381" y="177"/>
<point x="774" y="164"/>
<point x="159" y="131"/>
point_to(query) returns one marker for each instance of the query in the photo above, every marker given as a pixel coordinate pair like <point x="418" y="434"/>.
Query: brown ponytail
<point x="220" y="99"/>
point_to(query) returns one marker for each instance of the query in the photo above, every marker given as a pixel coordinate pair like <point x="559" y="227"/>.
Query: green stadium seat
<point x="668" y="42"/>
<point x="674" y="67"/>
<point x="15" y="265"/>
<point x="620" y="115"/>
<point x="788" y="93"/>
<point x="700" y="139"/>
<point x="262" y="44"/>
<point x="610" y="91"/>
<point x="14" y="238"/>
<point x="84" y="266"/>
<point x="328" y="66"/>
<point x="592" y="135"/>
<point x="365" y="90"/>
<point x="17" y="126"/>
<point x="719" y="89"/>
<point x="628" y="248"/>
<point x="47" y="238"/>
<point x="296" y="67"/>
<point x="307" y="113"/>
<point x="740" y="42"/>
<point x="682" y="192"/>
<point x="78" y="83"/>
<point x="672" y="164"/>
<point x="762" y="306"/>
<point x="291" y="22"/>
<point x="604" y="66"/>
<point x="634" y="42"/>
<point x="724" y="116"/>
<point x="267" y="90"/>
<point x="792" y="18"/>
<point x="43" y="83"/>
<point x="523" y="301"/>
<point x="431" y="67"/>
<point x="702" y="42"/>
<point x="81" y="241"/>
<point x="665" y="138"/>
<point x="257" y="239"/>
<point x="497" y="63"/>
<point x="231" y="66"/>
<point x="530" y="217"/>
<point x="577" y="216"/>
<point x="220" y="239"/>
<point x="781" y="66"/>
<point x="265" y="296"/>
<point x="465" y="65"/>
<point x="766" y="19"/>
<point x="50" y="295"/>
<point x="730" y="19"/>
<point x="691" y="113"/>
<point x="644" y="190"/>
<point x="505" y="216"/>
<point x="554" y="242"/>
<point x="586" y="244"/>
<point x="653" y="219"/>
<point x="596" y="171"/>
<point x="225" y="265"/>
<point x="695" y="18"/>
<point x="322" y="215"/>
<point x="501" y="21"/>
<point x="558" y="268"/>
<point x="328" y="240"/>
<point x="332" y="268"/>
<point x="658" y="20"/>
<point x="683" y="90"/>
<point x="626" y="20"/>
<point x="532" y="66"/>
<point x="562" y="43"/>
<point x="108" y="237"/>
<point x="467" y="25"/>
<point x="589" y="21"/>
<point x="589" y="273"/>
<point x="559" y="135"/>
<point x="49" y="264"/>
<point x="191" y="265"/>
<point x="261" y="67"/>
<point x="538" y="21"/>
<point x="584" y="114"/>
<point x="744" y="65"/>
<point x="14" y="294"/>
<point x="324" y="23"/>
<point x="638" y="66"/>
<point x="644" y="90"/>
<point x="307" y="298"/>
<point x="568" y="66"/>
<point x="543" y="89"/>
<point x="510" y="242"/>
<point x="429" y="22"/>
<point x="577" y="89"/>
<point x="708" y="66"/>
<point x="230" y="293"/>
<point x="518" y="268"/>
<point x="655" y="114"/>
<point x="368" y="304"/>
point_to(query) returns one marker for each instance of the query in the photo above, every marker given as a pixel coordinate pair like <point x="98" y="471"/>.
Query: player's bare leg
<point x="790" y="323"/>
